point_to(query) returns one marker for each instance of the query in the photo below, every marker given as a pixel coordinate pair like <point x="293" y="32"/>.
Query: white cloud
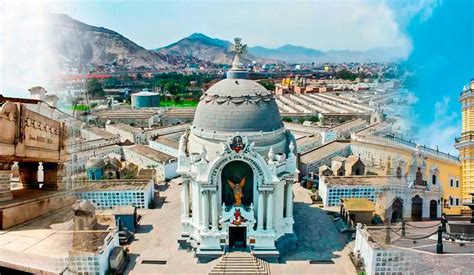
<point x="444" y="128"/>
<point x="412" y="98"/>
<point x="27" y="57"/>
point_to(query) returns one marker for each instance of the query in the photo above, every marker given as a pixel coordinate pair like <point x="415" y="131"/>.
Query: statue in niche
<point x="237" y="189"/>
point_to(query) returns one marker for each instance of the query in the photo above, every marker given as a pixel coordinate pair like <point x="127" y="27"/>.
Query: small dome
<point x="95" y="162"/>
<point x="237" y="105"/>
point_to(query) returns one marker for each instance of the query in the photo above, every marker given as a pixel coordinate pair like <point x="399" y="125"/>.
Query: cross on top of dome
<point x="238" y="48"/>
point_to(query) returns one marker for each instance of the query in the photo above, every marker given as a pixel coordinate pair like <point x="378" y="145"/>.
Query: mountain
<point x="372" y="55"/>
<point x="208" y="49"/>
<point x="298" y="54"/>
<point x="81" y="44"/>
<point x="288" y="53"/>
<point x="216" y="50"/>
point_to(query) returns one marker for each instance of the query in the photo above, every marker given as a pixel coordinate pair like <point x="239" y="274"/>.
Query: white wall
<point x="104" y="256"/>
<point x="124" y="135"/>
<point x="170" y="170"/>
<point x="164" y="148"/>
<point x="362" y="245"/>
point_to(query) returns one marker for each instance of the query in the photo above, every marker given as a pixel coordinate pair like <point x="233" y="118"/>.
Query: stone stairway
<point x="240" y="263"/>
<point x="340" y="225"/>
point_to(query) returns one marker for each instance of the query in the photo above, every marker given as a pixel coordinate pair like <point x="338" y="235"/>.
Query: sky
<point x="434" y="36"/>
<point x="322" y="24"/>
<point x="443" y="60"/>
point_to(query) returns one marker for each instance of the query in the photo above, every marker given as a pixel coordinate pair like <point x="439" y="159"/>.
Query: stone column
<point x="50" y="181"/>
<point x="61" y="176"/>
<point x="29" y="174"/>
<point x="205" y="210"/>
<point x="185" y="210"/>
<point x="260" y="211"/>
<point x="270" y="211"/>
<point x="214" y="211"/>
<point x="289" y="200"/>
<point x="199" y="201"/>
<point x="5" y="181"/>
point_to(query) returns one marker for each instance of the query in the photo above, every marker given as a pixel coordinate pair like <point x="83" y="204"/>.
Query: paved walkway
<point x="157" y="240"/>
<point x="318" y="240"/>
<point x="456" y="259"/>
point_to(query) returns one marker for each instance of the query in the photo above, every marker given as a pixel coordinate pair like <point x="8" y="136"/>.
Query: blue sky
<point x="435" y="36"/>
<point x="443" y="59"/>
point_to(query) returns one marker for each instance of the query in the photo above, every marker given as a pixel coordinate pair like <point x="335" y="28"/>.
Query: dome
<point x="237" y="105"/>
<point x="94" y="162"/>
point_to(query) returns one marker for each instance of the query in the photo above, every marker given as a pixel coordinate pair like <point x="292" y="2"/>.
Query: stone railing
<point x="225" y="135"/>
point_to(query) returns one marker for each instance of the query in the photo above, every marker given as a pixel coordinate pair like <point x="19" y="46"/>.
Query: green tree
<point x="268" y="84"/>
<point x="345" y="74"/>
<point x="94" y="88"/>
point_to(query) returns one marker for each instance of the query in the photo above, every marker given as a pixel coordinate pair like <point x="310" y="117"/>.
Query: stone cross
<point x="238" y="48"/>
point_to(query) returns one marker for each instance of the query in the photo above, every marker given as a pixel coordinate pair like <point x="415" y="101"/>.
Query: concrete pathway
<point x="318" y="240"/>
<point x="157" y="240"/>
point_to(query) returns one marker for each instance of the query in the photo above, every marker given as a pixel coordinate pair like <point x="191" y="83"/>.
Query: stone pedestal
<point x="29" y="174"/>
<point x="5" y="178"/>
<point x="50" y="171"/>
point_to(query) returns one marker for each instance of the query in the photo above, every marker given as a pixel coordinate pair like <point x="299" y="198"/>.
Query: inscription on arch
<point x="222" y="162"/>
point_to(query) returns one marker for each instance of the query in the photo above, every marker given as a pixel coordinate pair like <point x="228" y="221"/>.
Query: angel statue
<point x="237" y="188"/>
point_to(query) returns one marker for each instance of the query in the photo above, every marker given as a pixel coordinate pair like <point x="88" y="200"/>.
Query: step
<point x="240" y="263"/>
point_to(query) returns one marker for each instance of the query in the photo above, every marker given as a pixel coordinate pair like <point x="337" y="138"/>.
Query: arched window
<point x="433" y="179"/>
<point x="399" y="172"/>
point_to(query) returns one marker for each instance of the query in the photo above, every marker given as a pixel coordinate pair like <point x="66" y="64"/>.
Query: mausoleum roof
<point x="237" y="104"/>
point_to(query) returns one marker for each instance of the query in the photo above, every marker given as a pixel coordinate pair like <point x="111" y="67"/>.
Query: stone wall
<point x="16" y="213"/>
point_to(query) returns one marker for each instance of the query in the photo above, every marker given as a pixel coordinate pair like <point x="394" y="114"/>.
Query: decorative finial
<point x="291" y="147"/>
<point x="203" y="154"/>
<point x="271" y="155"/>
<point x="238" y="48"/>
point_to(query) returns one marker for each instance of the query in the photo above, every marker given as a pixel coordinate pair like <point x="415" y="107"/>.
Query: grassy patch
<point x="182" y="104"/>
<point x="80" y="107"/>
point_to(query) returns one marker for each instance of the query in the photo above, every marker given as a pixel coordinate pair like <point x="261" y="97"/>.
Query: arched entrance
<point x="433" y="210"/>
<point x="416" y="208"/>
<point x="237" y="176"/>
<point x="237" y="190"/>
<point x="397" y="210"/>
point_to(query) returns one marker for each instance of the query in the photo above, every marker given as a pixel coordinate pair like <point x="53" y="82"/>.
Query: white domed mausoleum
<point x="238" y="167"/>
